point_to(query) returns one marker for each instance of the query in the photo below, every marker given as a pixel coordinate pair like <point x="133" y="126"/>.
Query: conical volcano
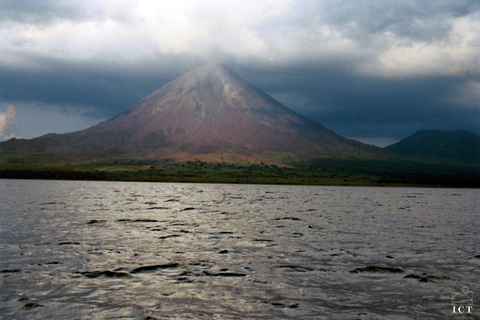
<point x="208" y="110"/>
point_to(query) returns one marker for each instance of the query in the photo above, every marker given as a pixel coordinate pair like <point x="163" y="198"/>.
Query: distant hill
<point x="457" y="145"/>
<point x="209" y="112"/>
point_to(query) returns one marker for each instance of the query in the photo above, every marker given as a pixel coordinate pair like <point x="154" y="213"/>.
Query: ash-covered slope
<point x="209" y="109"/>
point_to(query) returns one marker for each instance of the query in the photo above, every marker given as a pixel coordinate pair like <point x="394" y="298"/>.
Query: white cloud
<point x="283" y="31"/>
<point x="6" y="121"/>
<point x="129" y="32"/>
<point x="455" y="55"/>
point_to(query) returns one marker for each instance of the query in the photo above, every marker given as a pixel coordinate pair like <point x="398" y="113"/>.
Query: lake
<point x="110" y="250"/>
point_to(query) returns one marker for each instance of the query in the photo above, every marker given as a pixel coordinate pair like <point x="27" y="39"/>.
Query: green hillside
<point x="457" y="145"/>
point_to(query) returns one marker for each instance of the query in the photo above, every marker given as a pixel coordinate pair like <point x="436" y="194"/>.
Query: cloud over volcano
<point x="364" y="69"/>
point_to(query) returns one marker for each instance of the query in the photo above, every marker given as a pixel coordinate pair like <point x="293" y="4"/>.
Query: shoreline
<point x="89" y="176"/>
<point x="329" y="172"/>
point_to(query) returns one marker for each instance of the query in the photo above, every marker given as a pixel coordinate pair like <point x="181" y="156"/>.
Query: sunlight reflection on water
<point x="97" y="250"/>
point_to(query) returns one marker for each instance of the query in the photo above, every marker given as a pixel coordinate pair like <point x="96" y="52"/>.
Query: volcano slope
<point x="207" y="111"/>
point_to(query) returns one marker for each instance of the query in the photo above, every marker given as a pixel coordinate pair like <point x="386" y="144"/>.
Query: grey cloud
<point x="42" y="11"/>
<point x="110" y="87"/>
<point x="47" y="12"/>
<point x="418" y="20"/>
<point x="361" y="106"/>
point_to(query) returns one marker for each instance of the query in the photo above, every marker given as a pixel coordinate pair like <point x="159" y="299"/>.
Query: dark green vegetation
<point x="458" y="144"/>
<point x="352" y="172"/>
<point x="436" y="158"/>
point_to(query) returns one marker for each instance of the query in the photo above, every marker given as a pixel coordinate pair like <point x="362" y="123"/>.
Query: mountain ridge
<point x="458" y="145"/>
<point x="207" y="110"/>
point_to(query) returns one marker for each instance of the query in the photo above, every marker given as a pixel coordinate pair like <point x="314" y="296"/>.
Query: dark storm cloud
<point x="356" y="105"/>
<point x="111" y="88"/>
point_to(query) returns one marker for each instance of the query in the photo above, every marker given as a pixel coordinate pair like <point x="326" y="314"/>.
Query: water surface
<point x="109" y="250"/>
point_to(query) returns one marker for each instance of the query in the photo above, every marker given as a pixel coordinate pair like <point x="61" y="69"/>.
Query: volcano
<point x="209" y="110"/>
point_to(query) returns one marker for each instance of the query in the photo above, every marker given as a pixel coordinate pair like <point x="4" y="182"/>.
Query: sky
<point x="374" y="71"/>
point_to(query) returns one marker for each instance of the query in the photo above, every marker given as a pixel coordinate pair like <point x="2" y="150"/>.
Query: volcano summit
<point x="207" y="111"/>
